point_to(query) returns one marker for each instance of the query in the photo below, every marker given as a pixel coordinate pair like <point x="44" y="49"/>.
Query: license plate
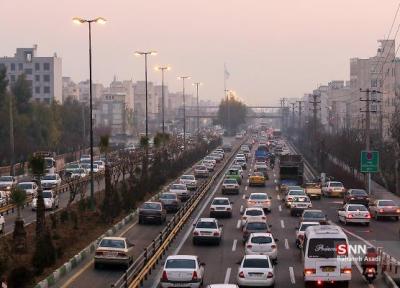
<point x="328" y="269"/>
<point x="205" y="233"/>
<point x="256" y="274"/>
<point x="370" y="275"/>
<point x="111" y="254"/>
<point x="220" y="208"/>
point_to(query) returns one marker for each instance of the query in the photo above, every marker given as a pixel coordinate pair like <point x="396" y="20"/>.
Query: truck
<point x="49" y="159"/>
<point x="291" y="169"/>
<point x="262" y="153"/>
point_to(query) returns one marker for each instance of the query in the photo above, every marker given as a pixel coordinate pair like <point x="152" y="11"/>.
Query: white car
<point x="253" y="213"/>
<point x="222" y="286"/>
<point x="301" y="230"/>
<point x="201" y="171"/>
<point x="29" y="187"/>
<point x="100" y="164"/>
<point x="333" y="188"/>
<point x="211" y="159"/>
<point x="354" y="213"/>
<point x="261" y="200"/>
<point x="230" y="186"/>
<point x="299" y="204"/>
<point x="84" y="158"/>
<point x="190" y="181"/>
<point x="256" y="270"/>
<point x="113" y="251"/>
<point x="242" y="162"/>
<point x="50" y="198"/>
<point x="221" y="206"/>
<point x="50" y="181"/>
<point x="180" y="190"/>
<point x="182" y="270"/>
<point x="291" y="194"/>
<point x="7" y="182"/>
<point x="262" y="244"/>
<point x="207" y="230"/>
<point x="209" y="164"/>
<point x="237" y="167"/>
<point x="79" y="173"/>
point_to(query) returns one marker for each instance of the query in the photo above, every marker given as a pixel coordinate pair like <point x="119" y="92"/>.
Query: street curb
<point x="67" y="267"/>
<point x="389" y="280"/>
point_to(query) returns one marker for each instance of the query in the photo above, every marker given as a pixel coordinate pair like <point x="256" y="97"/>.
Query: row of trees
<point x="37" y="126"/>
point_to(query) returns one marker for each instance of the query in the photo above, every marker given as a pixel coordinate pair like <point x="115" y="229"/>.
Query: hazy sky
<point x="272" y="48"/>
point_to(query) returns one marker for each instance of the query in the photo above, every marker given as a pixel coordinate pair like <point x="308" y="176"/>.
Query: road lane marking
<point x="287" y="244"/>
<point x="282" y="224"/>
<point x="280" y="208"/>
<point x="241" y="209"/>
<point x="244" y="197"/>
<point x="238" y="224"/>
<point x="278" y="197"/>
<point x="234" y="245"/>
<point x="248" y="180"/>
<point x="291" y="272"/>
<point x="276" y="188"/>
<point x="227" y="275"/>
<point x="275" y="181"/>
<point x="274" y="175"/>
<point x="245" y="188"/>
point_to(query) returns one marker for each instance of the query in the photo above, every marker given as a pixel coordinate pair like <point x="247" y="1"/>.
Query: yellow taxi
<point x="257" y="179"/>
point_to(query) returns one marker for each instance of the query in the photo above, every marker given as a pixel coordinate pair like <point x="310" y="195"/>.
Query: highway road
<point x="140" y="235"/>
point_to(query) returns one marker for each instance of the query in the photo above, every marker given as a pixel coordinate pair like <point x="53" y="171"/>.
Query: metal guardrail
<point x="137" y="273"/>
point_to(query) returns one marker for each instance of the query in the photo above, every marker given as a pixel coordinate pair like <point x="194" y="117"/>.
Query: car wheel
<point x="396" y="218"/>
<point x="366" y="223"/>
<point x="140" y="220"/>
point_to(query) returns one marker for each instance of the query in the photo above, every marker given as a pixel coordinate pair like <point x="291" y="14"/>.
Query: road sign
<point x="369" y="161"/>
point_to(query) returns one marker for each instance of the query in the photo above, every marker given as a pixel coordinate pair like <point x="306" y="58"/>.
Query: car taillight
<point x="352" y="198"/>
<point x="309" y="271"/>
<point x="345" y="271"/>
<point x="270" y="275"/>
<point x="289" y="198"/>
<point x="195" y="233"/>
<point x="301" y="237"/>
<point x="371" y="270"/>
<point x="249" y="246"/>
<point x="216" y="234"/>
<point x="212" y="209"/>
<point x="228" y="209"/>
<point x="368" y="216"/>
<point x="194" y="276"/>
<point x="397" y="210"/>
<point x="244" y="217"/>
<point x="99" y="253"/>
<point x="241" y="274"/>
<point x="121" y="254"/>
<point x="381" y="210"/>
<point x="273" y="246"/>
<point x="164" y="276"/>
<point x="264" y="218"/>
<point x="349" y="216"/>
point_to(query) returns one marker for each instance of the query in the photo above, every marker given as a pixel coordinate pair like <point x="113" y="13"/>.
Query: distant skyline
<point x="272" y="49"/>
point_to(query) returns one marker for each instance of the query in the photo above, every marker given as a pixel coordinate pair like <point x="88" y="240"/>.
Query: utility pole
<point x="293" y="104"/>
<point x="12" y="166"/>
<point x="300" y="110"/>
<point x="282" y="100"/>
<point x="314" y="137"/>
<point x="367" y="112"/>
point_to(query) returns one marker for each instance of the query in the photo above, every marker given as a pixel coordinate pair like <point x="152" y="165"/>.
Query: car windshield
<point x="178" y="187"/>
<point x="258" y="196"/>
<point x="47" y="194"/>
<point x="49" y="177"/>
<point x="6" y="179"/>
<point x="358" y="193"/>
<point x="201" y="168"/>
<point x="254" y="212"/>
<point x="72" y="166"/>
<point x="357" y="208"/>
<point x="313" y="214"/>
<point x="206" y="225"/>
<point x="303" y="227"/>
<point x="220" y="202"/>
<point x="296" y="192"/>
<point x="230" y="181"/>
<point x="168" y="196"/>
<point x="25" y="185"/>
<point x="324" y="247"/>
<point x="336" y="184"/>
<point x="261" y="168"/>
<point x="255" y="263"/>
<point x="152" y="206"/>
<point x="187" y="177"/>
<point x="258" y="174"/>
<point x="233" y="172"/>
<point x="112" y="243"/>
<point x="387" y="203"/>
<point x="180" y="264"/>
<point x="261" y="240"/>
<point x="256" y="226"/>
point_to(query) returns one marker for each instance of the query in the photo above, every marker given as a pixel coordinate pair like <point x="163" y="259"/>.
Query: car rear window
<point x="313" y="214"/>
<point x="324" y="247"/>
<point x="187" y="177"/>
<point x="303" y="227"/>
<point x="357" y="208"/>
<point x="257" y="226"/>
<point x="112" y="243"/>
<point x="168" y="196"/>
<point x="258" y="197"/>
<point x="180" y="264"/>
<point x="387" y="203"/>
<point x="178" y="186"/>
<point x="261" y="240"/>
<point x="255" y="263"/>
<point x="152" y="206"/>
<point x="296" y="192"/>
<point x="230" y="181"/>
<point x="254" y="212"/>
<point x="358" y="193"/>
<point x="336" y="184"/>
<point x="206" y="225"/>
<point x="220" y="202"/>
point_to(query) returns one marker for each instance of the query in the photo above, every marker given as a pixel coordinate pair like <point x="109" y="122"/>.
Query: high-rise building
<point x="44" y="74"/>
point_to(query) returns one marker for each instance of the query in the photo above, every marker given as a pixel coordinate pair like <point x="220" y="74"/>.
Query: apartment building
<point x="70" y="90"/>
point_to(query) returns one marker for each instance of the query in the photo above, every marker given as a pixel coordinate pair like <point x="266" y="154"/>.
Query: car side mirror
<point x="247" y="197"/>
<point x="202" y="264"/>
<point x="239" y="262"/>
<point x="276" y="240"/>
<point x="296" y="228"/>
<point x="221" y="225"/>
<point x="130" y="244"/>
<point x="232" y="202"/>
<point x="270" y="197"/>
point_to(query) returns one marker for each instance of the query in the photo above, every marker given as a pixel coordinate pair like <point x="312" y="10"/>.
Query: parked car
<point x="254" y="226"/>
<point x="313" y="215"/>
<point x="190" y="181"/>
<point x="50" y="181"/>
<point x="261" y="200"/>
<point x="230" y="186"/>
<point x="221" y="206"/>
<point x="300" y="230"/>
<point x="182" y="270"/>
<point x="181" y="190"/>
<point x="113" y="251"/>
<point x="354" y="213"/>
<point x="170" y="201"/>
<point x="29" y="187"/>
<point x="207" y="230"/>
<point x="333" y="188"/>
<point x="384" y="208"/>
<point x="201" y="171"/>
<point x="299" y="204"/>
<point x="50" y="198"/>
<point x="7" y="183"/>
<point x="256" y="270"/>
<point x="257" y="179"/>
<point x="356" y="196"/>
<point x="262" y="244"/>
<point x="152" y="212"/>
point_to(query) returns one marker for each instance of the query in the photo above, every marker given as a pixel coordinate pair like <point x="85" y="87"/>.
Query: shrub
<point x="45" y="253"/>
<point x="20" y="277"/>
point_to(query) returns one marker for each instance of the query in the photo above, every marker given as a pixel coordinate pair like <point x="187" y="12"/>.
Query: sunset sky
<point x="272" y="49"/>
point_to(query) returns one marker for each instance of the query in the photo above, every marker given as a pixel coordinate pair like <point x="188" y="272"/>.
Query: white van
<point x="320" y="260"/>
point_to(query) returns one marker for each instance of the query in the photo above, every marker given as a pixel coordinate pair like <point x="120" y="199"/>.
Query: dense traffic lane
<point x="221" y="260"/>
<point x="140" y="235"/>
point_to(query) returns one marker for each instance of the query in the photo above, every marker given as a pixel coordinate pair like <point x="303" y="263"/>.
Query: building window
<point x="37" y="66"/>
<point x="374" y="83"/>
<point x="37" y="89"/>
<point x="46" y="100"/>
<point x="20" y="66"/>
<point x="46" y="66"/>
<point x="12" y="78"/>
<point x="12" y="66"/>
<point x="28" y="71"/>
<point x="37" y="78"/>
<point x="28" y="57"/>
<point x="46" y="89"/>
<point x="46" y="78"/>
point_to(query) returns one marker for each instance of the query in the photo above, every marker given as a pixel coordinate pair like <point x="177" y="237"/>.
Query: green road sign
<point x="369" y="161"/>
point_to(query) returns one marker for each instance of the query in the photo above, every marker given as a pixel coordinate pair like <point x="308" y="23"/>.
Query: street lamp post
<point x="99" y="20"/>
<point x="197" y="84"/>
<point x="183" y="78"/>
<point x="163" y="69"/>
<point x="145" y="53"/>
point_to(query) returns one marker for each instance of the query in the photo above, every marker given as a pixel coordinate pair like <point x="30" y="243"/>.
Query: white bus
<point x="320" y="258"/>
